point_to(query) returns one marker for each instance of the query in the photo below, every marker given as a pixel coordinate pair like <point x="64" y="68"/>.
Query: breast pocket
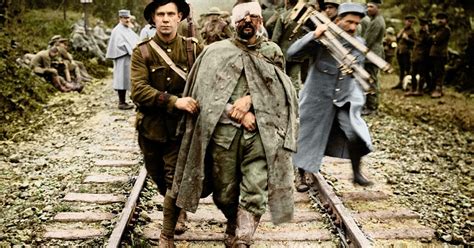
<point x="327" y="68"/>
<point x="158" y="76"/>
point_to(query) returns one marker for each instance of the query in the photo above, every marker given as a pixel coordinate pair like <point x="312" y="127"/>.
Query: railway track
<point x="108" y="207"/>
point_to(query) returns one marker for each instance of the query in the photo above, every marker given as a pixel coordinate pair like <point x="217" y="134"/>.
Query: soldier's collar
<point x="244" y="42"/>
<point x="162" y="43"/>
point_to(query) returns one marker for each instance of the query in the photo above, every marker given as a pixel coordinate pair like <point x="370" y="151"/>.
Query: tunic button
<point x="341" y="78"/>
<point x="168" y="79"/>
<point x="228" y="77"/>
<point x="168" y="50"/>
<point x="222" y="87"/>
<point x="325" y="71"/>
<point x="216" y="98"/>
<point x="210" y="110"/>
<point x="337" y="90"/>
<point x="334" y="100"/>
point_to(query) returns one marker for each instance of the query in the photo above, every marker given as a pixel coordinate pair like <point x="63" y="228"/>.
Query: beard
<point x="246" y="35"/>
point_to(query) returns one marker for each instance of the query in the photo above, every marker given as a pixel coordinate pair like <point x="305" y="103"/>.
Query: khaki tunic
<point x="156" y="87"/>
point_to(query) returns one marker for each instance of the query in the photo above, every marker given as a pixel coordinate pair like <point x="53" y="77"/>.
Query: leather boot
<point x="229" y="235"/>
<point x="355" y="157"/>
<point x="437" y="93"/>
<point x="166" y="242"/>
<point x="300" y="181"/>
<point x="181" y="224"/>
<point x="358" y="177"/>
<point x="123" y="105"/>
<point x="246" y="225"/>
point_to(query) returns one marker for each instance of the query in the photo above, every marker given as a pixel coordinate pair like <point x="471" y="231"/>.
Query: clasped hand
<point x="240" y="113"/>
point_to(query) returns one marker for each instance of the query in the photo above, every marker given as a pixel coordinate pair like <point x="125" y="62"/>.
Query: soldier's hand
<point x="240" y="107"/>
<point x="187" y="104"/>
<point x="320" y="29"/>
<point x="52" y="70"/>
<point x="249" y="122"/>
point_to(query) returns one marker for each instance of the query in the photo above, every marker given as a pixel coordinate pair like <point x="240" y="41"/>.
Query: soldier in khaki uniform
<point x="157" y="92"/>
<point x="406" y="40"/>
<point x="439" y="52"/>
<point x="48" y="64"/>
<point x="420" y="60"/>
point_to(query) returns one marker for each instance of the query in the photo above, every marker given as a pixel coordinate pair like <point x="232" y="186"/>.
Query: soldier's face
<point x="372" y="9"/>
<point x="125" y="20"/>
<point x="442" y="21"/>
<point x="349" y="23"/>
<point x="167" y="19"/>
<point x="331" y="11"/>
<point x="247" y="27"/>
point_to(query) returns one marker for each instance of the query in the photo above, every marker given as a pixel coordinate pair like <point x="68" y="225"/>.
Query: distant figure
<point x="373" y="35"/>
<point x="420" y="60"/>
<point x="82" y="42"/>
<point x="330" y="8"/>
<point x="99" y="32"/>
<point x="147" y="32"/>
<point x="214" y="27"/>
<point x="76" y="68"/>
<point x="120" y="49"/>
<point x="406" y="40"/>
<point x="48" y="65"/>
<point x="439" y="52"/>
<point x="389" y="44"/>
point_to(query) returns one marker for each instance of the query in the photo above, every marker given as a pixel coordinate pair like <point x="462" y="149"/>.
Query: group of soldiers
<point x="57" y="66"/>
<point x="219" y="113"/>
<point x="56" y="63"/>
<point x="423" y="54"/>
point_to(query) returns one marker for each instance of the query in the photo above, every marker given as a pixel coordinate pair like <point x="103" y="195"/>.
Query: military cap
<point x="423" y="21"/>
<point x="213" y="11"/>
<point x="332" y="2"/>
<point x="375" y="1"/>
<point x="390" y="30"/>
<point x="124" y="13"/>
<point x="352" y="8"/>
<point x="410" y="17"/>
<point x="183" y="7"/>
<point x="441" y="15"/>
<point x="62" y="40"/>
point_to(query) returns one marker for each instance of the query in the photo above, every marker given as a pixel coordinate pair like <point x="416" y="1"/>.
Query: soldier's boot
<point x="170" y="218"/>
<point x="438" y="92"/>
<point x="166" y="242"/>
<point x="300" y="181"/>
<point x="181" y="224"/>
<point x="356" y="166"/>
<point x="229" y="235"/>
<point x="60" y="84"/>
<point x="246" y="225"/>
<point x="123" y="105"/>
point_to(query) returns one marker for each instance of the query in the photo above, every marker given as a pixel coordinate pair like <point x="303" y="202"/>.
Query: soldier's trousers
<point x="404" y="63"/>
<point x="421" y="68"/>
<point x="160" y="161"/>
<point x="438" y="72"/>
<point x="240" y="175"/>
<point x="372" y="100"/>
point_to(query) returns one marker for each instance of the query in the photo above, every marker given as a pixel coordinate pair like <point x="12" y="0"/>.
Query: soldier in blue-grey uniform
<point x="331" y="102"/>
<point x="120" y="48"/>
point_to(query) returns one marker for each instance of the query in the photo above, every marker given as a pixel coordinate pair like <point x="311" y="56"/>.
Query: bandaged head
<point x="240" y="11"/>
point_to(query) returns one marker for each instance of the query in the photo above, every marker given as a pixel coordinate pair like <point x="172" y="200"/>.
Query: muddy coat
<point x="324" y="91"/>
<point x="211" y="82"/>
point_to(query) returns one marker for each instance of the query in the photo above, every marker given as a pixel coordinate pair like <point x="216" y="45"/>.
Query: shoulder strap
<point x="145" y="54"/>
<point x="167" y="59"/>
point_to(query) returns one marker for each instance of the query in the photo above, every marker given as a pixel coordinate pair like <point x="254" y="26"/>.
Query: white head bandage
<point x="241" y="10"/>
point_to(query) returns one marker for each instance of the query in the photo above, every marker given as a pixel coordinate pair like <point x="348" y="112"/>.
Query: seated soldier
<point x="76" y="69"/>
<point x="48" y="65"/>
